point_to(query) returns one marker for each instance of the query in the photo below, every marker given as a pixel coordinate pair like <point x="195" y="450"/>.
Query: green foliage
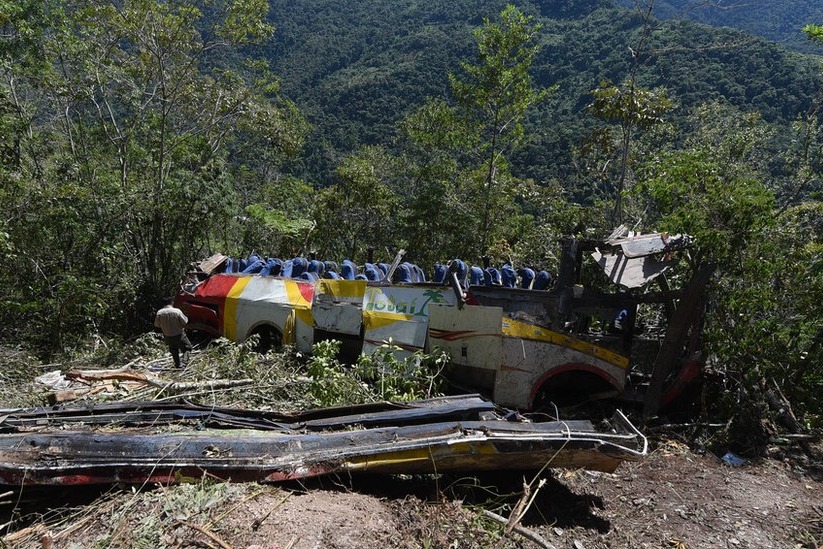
<point x="331" y="383"/>
<point x="776" y="21"/>
<point x="400" y="379"/>
<point x="360" y="212"/>
<point x="379" y="376"/>
<point x="276" y="220"/>
<point x="150" y="519"/>
<point x="357" y="72"/>
<point x="763" y="322"/>
<point x="723" y="211"/>
<point x="814" y="33"/>
<point x="629" y="106"/>
<point x="463" y="183"/>
<point x="116" y="170"/>
<point x="198" y="499"/>
<point x="633" y="108"/>
<point x="434" y="220"/>
<point x="493" y="98"/>
<point x="495" y="93"/>
<point x="271" y="228"/>
<point x="244" y="22"/>
<point x="713" y="190"/>
<point x="765" y="326"/>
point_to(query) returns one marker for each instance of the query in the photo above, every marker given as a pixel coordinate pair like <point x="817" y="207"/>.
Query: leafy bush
<point x="412" y="378"/>
<point x="377" y="376"/>
<point x="332" y="384"/>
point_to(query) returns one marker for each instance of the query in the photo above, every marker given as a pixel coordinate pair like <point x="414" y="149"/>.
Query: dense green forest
<point x="776" y="21"/>
<point x="364" y="68"/>
<point x="138" y="136"/>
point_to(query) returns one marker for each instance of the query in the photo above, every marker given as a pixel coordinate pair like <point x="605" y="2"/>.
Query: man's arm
<point x="184" y="320"/>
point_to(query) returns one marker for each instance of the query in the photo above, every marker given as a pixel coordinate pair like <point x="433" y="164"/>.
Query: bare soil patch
<point x="675" y="498"/>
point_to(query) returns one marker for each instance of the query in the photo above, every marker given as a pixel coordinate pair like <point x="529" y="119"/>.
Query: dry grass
<point x="160" y="517"/>
<point x="17" y="372"/>
<point x="278" y="381"/>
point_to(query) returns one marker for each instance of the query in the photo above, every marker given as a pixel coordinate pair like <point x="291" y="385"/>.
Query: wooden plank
<point x="681" y="321"/>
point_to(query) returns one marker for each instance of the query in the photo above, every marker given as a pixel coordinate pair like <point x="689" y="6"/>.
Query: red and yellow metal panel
<point x="253" y="301"/>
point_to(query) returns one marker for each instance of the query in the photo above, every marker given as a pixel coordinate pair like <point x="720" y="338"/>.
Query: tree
<point x="493" y="97"/>
<point x="805" y="152"/>
<point x="463" y="184"/>
<point x="633" y="108"/>
<point x="763" y="323"/>
<point x="280" y="222"/>
<point x="123" y="171"/>
<point x="814" y="33"/>
<point x="360" y="211"/>
<point x="436" y="211"/>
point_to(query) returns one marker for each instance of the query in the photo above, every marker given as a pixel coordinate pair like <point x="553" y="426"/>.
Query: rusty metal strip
<point x="87" y="457"/>
<point x="422" y="441"/>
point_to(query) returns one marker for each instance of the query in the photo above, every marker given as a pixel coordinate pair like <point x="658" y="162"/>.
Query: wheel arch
<point x="584" y="375"/>
<point x="271" y="335"/>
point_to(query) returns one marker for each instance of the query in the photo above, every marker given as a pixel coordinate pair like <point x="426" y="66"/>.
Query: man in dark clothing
<point x="172" y="323"/>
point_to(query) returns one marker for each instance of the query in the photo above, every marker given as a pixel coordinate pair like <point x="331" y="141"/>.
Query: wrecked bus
<point x="524" y="347"/>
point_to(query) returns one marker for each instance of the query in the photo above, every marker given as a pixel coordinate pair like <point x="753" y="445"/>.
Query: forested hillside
<point x="775" y="21"/>
<point x="356" y="71"/>
<point x="139" y="136"/>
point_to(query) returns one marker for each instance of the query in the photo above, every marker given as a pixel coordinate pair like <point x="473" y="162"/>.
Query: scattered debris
<point x="733" y="459"/>
<point x="122" y="382"/>
<point x="156" y="442"/>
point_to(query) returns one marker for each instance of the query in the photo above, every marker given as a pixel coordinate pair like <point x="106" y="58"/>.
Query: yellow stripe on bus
<point x="524" y="330"/>
<point x="373" y="321"/>
<point x="342" y="290"/>
<point x="230" y="314"/>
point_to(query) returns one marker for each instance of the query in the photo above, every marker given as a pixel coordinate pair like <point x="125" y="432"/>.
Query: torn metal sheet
<point x="631" y="272"/>
<point x="338" y="305"/>
<point x="643" y="245"/>
<point x="378" y="414"/>
<point x="630" y="262"/>
<point x="211" y="264"/>
<point x="40" y="447"/>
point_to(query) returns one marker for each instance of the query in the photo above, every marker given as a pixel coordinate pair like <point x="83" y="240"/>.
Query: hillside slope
<point x="356" y="70"/>
<point x="776" y="21"/>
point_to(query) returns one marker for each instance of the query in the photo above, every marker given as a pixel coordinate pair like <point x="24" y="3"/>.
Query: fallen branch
<point x="787" y="438"/>
<point x="657" y="428"/>
<point x="526" y="500"/>
<point x="59" y="397"/>
<point x="122" y="374"/>
<point x="214" y="537"/>
<point x="525" y="532"/>
<point x="210" y="384"/>
<point x="187" y="395"/>
<point x="800" y="436"/>
<point x="26" y="534"/>
<point x="780" y="404"/>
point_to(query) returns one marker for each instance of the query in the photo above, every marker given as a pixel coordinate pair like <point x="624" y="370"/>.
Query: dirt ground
<point x="674" y="498"/>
